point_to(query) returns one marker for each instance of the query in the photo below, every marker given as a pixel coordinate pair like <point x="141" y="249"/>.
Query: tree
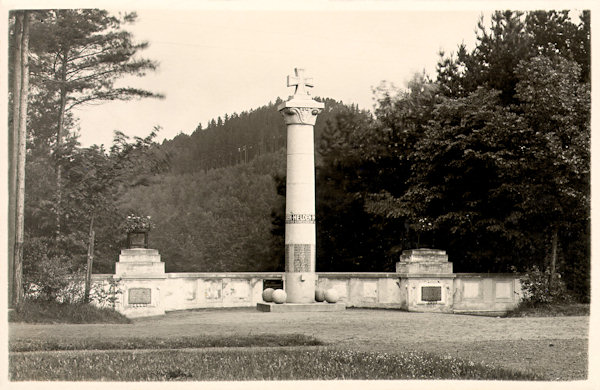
<point x="513" y="37"/>
<point x="19" y="94"/>
<point x="557" y="106"/>
<point x="79" y="55"/>
<point x="499" y="171"/>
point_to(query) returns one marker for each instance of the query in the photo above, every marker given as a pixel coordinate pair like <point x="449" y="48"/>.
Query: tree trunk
<point x="553" y="257"/>
<point x="13" y="147"/>
<point x="20" y="185"/>
<point x="90" y="262"/>
<point x="59" y="139"/>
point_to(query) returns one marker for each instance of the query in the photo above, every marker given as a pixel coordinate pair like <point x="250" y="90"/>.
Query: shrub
<point x="105" y="293"/>
<point x="540" y="289"/>
<point x="53" y="279"/>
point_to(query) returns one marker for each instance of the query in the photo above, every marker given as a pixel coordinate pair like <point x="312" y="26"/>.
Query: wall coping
<point x="238" y="275"/>
<point x="243" y="275"/>
<point x="358" y="274"/>
<point x="487" y="275"/>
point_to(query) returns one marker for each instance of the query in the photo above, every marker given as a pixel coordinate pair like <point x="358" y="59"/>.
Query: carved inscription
<point x="300" y="218"/>
<point x="298" y="257"/>
<point x="139" y="296"/>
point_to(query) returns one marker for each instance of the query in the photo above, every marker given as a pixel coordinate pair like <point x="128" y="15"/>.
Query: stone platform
<point x="299" y="307"/>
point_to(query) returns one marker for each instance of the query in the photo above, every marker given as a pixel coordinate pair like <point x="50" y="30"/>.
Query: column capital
<point x="302" y="114"/>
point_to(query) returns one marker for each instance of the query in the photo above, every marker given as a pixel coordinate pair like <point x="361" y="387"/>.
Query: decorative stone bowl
<point x="267" y="295"/>
<point x="320" y="294"/>
<point x="279" y="296"/>
<point x="331" y="296"/>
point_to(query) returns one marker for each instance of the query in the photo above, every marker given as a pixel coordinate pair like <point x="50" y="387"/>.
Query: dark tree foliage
<point x="95" y="181"/>
<point x="498" y="171"/>
<point x="214" y="221"/>
<point x="514" y="37"/>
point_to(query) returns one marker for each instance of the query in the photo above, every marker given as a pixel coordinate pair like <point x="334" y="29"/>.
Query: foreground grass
<point x="262" y="340"/>
<point x="48" y="312"/>
<point x="554" y="310"/>
<point x="236" y="365"/>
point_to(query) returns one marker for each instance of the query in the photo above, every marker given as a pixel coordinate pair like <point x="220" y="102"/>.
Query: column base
<point x="299" y="307"/>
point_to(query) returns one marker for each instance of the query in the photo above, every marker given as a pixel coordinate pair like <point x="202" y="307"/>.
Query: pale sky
<point x="218" y="62"/>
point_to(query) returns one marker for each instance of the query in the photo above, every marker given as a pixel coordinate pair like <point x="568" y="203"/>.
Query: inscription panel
<point x="272" y="283"/>
<point x="472" y="289"/>
<point x="300" y="218"/>
<point x="431" y="293"/>
<point x="298" y="257"/>
<point x="504" y="290"/>
<point x="139" y="296"/>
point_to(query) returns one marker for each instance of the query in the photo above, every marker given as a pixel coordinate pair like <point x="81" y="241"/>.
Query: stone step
<point x="299" y="307"/>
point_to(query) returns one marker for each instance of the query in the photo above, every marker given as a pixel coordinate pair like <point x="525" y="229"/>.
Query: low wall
<point x="460" y="292"/>
<point x="486" y="292"/>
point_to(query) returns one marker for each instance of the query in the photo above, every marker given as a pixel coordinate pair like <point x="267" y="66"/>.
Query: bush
<point x="539" y="288"/>
<point x="49" y="276"/>
<point x="105" y="293"/>
<point x="50" y="312"/>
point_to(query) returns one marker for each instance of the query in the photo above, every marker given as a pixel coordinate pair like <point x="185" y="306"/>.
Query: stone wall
<point x="460" y="293"/>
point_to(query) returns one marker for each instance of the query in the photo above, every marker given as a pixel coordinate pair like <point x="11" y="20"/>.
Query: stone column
<point x="300" y="113"/>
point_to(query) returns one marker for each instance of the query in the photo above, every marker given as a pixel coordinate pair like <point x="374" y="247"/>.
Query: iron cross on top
<point x="300" y="81"/>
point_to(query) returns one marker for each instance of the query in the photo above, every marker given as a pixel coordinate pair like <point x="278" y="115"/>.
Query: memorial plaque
<point x="272" y="283"/>
<point x="431" y="293"/>
<point x="298" y="257"/>
<point x="139" y="296"/>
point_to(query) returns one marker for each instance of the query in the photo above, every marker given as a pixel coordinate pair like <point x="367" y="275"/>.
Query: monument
<point x="300" y="114"/>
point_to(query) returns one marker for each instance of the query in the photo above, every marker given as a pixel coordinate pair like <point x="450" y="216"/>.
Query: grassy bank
<point x="553" y="310"/>
<point x="236" y="365"/>
<point x="50" y="312"/>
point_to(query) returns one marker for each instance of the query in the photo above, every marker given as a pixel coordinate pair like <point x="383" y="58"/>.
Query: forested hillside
<point x="237" y="138"/>
<point x="213" y="221"/>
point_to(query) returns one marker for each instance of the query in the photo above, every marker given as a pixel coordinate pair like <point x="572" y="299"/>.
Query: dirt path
<point x="556" y="346"/>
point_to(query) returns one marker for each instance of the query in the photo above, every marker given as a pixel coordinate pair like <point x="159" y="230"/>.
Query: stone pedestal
<point x="424" y="261"/>
<point x="143" y="278"/>
<point x="427" y="280"/>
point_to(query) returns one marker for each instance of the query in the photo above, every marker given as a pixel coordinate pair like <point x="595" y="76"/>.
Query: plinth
<point x="142" y="275"/>
<point x="300" y="307"/>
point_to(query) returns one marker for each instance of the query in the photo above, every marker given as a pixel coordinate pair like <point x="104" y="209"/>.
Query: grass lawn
<point x="247" y="364"/>
<point x="244" y="344"/>
<point x="263" y="340"/>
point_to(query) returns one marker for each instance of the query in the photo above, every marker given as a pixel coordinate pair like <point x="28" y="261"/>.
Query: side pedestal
<point x="427" y="279"/>
<point x="143" y="278"/>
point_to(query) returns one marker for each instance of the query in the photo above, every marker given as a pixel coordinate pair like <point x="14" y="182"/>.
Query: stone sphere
<point x="279" y="296"/>
<point x="267" y="295"/>
<point x="319" y="294"/>
<point x="331" y="296"/>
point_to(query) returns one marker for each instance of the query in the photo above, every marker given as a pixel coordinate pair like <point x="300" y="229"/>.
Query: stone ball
<point x="320" y="294"/>
<point x="331" y="296"/>
<point x="279" y="296"/>
<point x="267" y="295"/>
